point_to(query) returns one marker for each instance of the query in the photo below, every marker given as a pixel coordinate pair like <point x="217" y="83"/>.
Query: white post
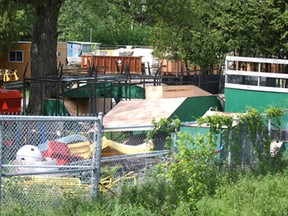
<point x="259" y="70"/>
<point x="96" y="160"/>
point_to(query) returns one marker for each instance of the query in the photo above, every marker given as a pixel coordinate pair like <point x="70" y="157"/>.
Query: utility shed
<point x="142" y="112"/>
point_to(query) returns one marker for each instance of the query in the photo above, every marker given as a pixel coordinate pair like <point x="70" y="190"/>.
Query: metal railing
<point x="256" y="74"/>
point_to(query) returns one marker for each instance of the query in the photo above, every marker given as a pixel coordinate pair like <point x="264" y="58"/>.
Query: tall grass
<point x="249" y="195"/>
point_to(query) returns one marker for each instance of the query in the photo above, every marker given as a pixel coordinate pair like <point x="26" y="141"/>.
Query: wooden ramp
<point x="168" y="91"/>
<point x="141" y="112"/>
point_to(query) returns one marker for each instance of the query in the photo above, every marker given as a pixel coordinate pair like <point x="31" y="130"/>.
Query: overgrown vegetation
<point x="193" y="182"/>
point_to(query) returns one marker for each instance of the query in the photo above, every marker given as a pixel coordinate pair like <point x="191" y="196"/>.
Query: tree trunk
<point x="43" y="52"/>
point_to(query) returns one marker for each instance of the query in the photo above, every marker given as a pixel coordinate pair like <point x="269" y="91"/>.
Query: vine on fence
<point x="193" y="172"/>
<point x="164" y="125"/>
<point x="252" y="123"/>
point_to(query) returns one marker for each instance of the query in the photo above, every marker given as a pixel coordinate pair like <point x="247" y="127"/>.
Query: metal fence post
<point x="1" y="159"/>
<point x="174" y="147"/>
<point x="269" y="128"/>
<point x="229" y="149"/>
<point x="96" y="161"/>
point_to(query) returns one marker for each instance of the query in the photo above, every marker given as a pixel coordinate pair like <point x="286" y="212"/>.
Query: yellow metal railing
<point x="9" y="75"/>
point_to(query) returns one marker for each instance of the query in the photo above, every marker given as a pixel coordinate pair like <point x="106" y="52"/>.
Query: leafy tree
<point x="186" y="30"/>
<point x="14" y="23"/>
<point x="275" y="28"/>
<point x="109" y="24"/>
<point x="255" y="28"/>
<point x="203" y="32"/>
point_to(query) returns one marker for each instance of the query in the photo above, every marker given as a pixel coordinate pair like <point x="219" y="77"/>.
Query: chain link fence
<point x="46" y="158"/>
<point x="127" y="154"/>
<point x="37" y="156"/>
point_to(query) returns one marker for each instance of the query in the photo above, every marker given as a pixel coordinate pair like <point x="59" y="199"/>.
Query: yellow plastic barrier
<point x="128" y="149"/>
<point x="81" y="149"/>
<point x="107" y="183"/>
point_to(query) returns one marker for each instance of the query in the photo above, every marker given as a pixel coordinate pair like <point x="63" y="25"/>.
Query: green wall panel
<point x="203" y="131"/>
<point x="194" y="107"/>
<point x="238" y="100"/>
<point x="106" y="90"/>
<point x="51" y="106"/>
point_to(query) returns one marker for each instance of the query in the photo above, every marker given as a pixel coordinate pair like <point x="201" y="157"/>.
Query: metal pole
<point x="1" y="159"/>
<point x="226" y="69"/>
<point x="229" y="149"/>
<point x="96" y="160"/>
<point x="269" y="127"/>
<point x="258" y="78"/>
<point x="174" y="147"/>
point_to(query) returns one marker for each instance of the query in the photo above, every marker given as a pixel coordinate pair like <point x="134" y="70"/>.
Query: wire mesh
<point x="127" y="153"/>
<point x="133" y="150"/>
<point x="44" y="159"/>
<point x="37" y="157"/>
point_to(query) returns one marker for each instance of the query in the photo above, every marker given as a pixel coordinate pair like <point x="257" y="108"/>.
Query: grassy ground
<point x="250" y="195"/>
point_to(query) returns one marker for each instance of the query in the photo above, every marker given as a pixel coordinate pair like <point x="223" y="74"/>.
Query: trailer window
<point x="16" y="56"/>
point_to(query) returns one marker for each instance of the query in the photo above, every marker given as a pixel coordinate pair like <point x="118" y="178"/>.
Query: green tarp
<point x="106" y="90"/>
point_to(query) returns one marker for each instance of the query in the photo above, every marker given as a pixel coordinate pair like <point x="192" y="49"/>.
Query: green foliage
<point x="15" y="23"/>
<point x="274" y="113"/>
<point x="249" y="196"/>
<point x="192" y="173"/>
<point x="145" y="192"/>
<point x="110" y="171"/>
<point x="108" y="23"/>
<point x="203" y="32"/>
<point x="164" y="125"/>
<point x="255" y="127"/>
<point x="252" y="126"/>
<point x="254" y="122"/>
<point x="185" y="31"/>
<point x="216" y="123"/>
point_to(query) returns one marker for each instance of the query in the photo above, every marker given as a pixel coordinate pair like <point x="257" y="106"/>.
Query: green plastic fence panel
<point x="106" y="90"/>
<point x="195" y="107"/>
<point x="51" y="107"/>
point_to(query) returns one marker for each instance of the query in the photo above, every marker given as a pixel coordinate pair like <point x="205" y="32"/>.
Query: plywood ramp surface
<point x="141" y="112"/>
<point x="156" y="92"/>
